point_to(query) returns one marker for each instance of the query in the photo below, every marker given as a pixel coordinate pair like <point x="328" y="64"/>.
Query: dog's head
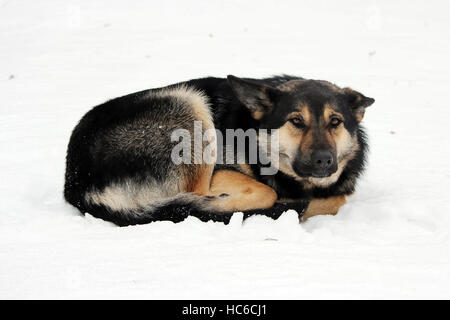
<point x="317" y="121"/>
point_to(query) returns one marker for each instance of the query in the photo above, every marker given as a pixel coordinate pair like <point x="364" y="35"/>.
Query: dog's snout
<point x="321" y="159"/>
<point x="321" y="163"/>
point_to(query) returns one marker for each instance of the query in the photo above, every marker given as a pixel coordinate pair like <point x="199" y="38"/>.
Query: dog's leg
<point x="202" y="182"/>
<point x="237" y="192"/>
<point x="329" y="205"/>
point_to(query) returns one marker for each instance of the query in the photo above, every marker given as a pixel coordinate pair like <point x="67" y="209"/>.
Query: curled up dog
<point x="210" y="147"/>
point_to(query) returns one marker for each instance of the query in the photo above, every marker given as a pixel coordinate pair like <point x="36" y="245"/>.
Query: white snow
<point x="392" y="239"/>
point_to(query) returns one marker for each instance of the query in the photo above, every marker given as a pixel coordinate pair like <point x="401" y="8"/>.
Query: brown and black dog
<point x="257" y="146"/>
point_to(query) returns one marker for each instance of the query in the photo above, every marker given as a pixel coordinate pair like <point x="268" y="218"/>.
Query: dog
<point x="120" y="163"/>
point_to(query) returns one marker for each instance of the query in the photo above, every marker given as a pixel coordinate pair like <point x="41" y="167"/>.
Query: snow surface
<point x="58" y="59"/>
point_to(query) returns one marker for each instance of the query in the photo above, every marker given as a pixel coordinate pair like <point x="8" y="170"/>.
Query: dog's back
<point x="119" y="156"/>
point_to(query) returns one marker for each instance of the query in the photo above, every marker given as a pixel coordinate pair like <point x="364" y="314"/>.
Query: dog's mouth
<point x="315" y="174"/>
<point x="321" y="175"/>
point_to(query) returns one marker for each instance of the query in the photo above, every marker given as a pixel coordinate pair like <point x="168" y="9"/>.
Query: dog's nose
<point x="321" y="159"/>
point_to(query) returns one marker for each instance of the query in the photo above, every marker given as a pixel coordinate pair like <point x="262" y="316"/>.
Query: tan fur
<point x="202" y="181"/>
<point x="245" y="168"/>
<point x="329" y="111"/>
<point x="258" y="115"/>
<point x="290" y="136"/>
<point x="290" y="139"/>
<point x="329" y="205"/>
<point x="244" y="193"/>
<point x="303" y="113"/>
<point x="359" y="116"/>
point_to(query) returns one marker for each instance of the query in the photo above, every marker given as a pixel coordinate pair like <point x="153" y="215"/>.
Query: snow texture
<point x="391" y="240"/>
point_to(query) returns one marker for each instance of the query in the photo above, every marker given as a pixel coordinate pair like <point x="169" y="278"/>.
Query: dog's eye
<point x="297" y="122"/>
<point x="335" y="122"/>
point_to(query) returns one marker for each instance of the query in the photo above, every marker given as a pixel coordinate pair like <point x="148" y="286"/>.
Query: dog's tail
<point x="175" y="209"/>
<point x="179" y="207"/>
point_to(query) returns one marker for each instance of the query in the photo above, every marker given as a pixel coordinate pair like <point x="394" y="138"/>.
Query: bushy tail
<point x="178" y="208"/>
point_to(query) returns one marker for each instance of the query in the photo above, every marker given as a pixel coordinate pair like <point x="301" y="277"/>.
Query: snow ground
<point x="392" y="239"/>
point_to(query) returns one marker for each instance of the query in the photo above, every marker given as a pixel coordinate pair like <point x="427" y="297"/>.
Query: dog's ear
<point x="257" y="97"/>
<point x="357" y="102"/>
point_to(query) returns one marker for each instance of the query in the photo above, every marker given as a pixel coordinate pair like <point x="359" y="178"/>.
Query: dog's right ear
<point x="257" y="97"/>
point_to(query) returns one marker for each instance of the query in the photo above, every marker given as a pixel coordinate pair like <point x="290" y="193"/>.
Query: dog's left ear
<point x="357" y="102"/>
<point x="257" y="97"/>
